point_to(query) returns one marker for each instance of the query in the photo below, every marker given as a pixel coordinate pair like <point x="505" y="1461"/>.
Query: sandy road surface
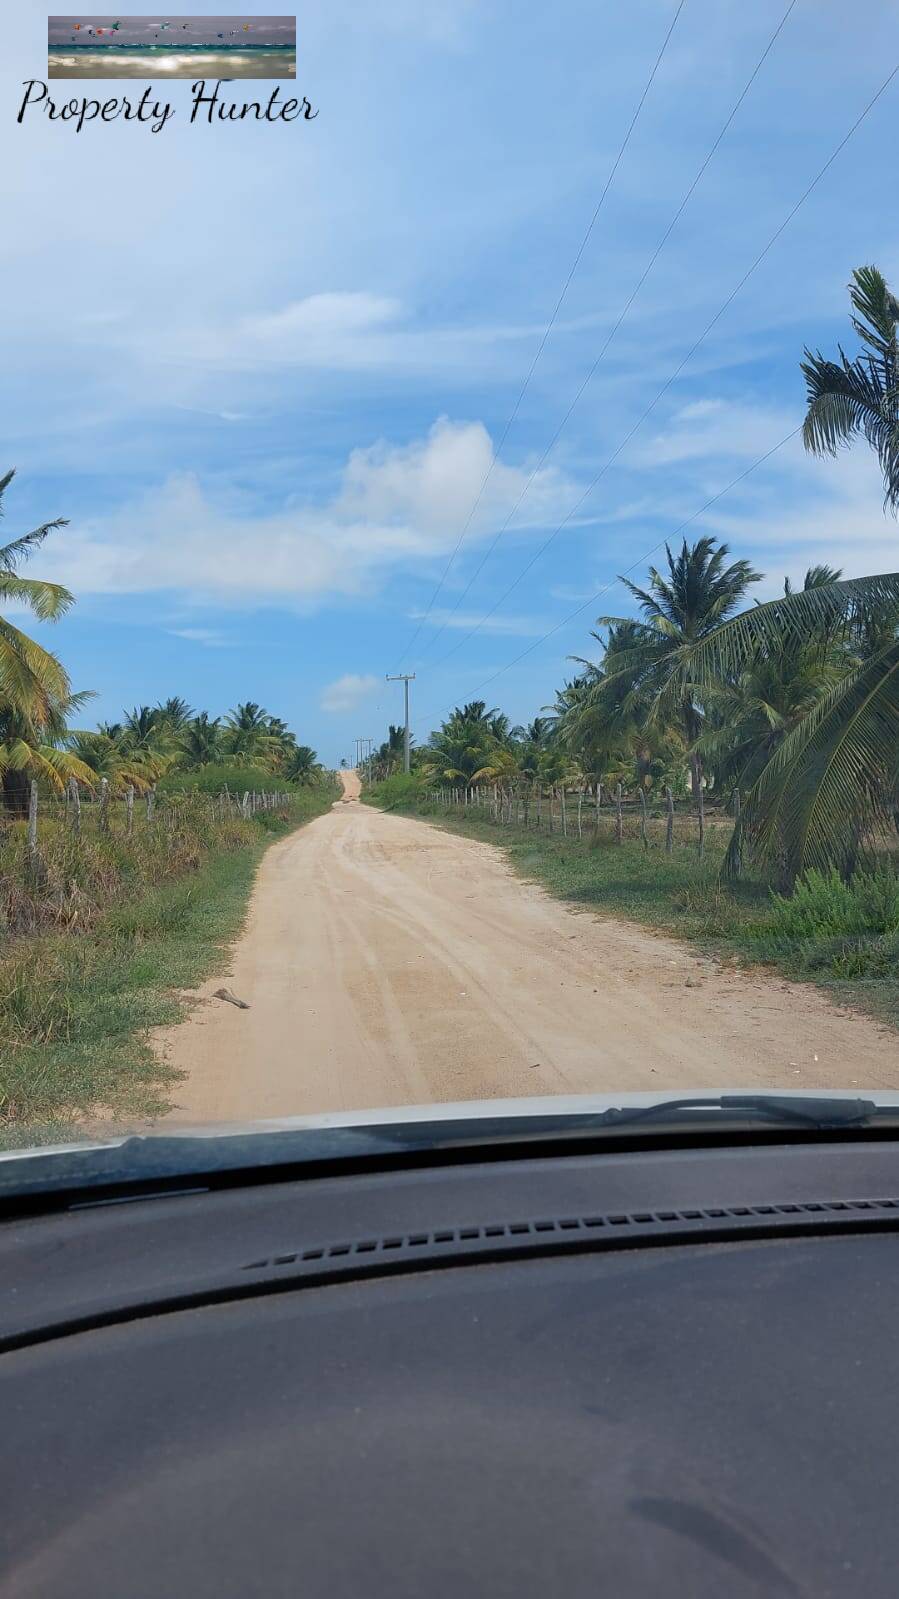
<point x="387" y="962"/>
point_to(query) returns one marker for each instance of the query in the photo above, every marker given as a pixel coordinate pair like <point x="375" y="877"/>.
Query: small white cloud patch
<point x="346" y="692"/>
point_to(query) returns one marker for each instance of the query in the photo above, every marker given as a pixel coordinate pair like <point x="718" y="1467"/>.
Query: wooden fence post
<point x="701" y="821"/>
<point x="103" y="810"/>
<point x="151" y="803"/>
<point x="618" y="830"/>
<point x="580" y="806"/>
<point x="643" y="837"/>
<point x="669" y="825"/>
<point x="597" y="807"/>
<point x="76" y="806"/>
<point x="129" y="811"/>
<point x="32" y="822"/>
<point x="738" y="834"/>
<point x="564" y="812"/>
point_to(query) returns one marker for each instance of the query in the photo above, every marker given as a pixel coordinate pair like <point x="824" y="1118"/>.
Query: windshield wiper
<point x="813" y="1111"/>
<point x="158" y="1163"/>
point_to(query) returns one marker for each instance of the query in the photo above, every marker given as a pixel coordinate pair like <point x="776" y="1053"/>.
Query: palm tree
<point x="651" y="660"/>
<point x="175" y="712"/>
<point x="34" y="687"/>
<point x="465" y="743"/>
<point x="388" y="756"/>
<point x="835" y="773"/>
<point x="147" y="740"/>
<point x="282" y="744"/>
<point x="541" y="757"/>
<point x="246" y="733"/>
<point x="200" y="740"/>
<point x="102" y="756"/>
<point x="861" y="397"/>
<point x="144" y="726"/>
<point x="39" y="748"/>
<point x="303" y="766"/>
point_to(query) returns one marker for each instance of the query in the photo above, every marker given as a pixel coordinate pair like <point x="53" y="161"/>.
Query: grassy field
<point x="845" y="939"/>
<point x="120" y="927"/>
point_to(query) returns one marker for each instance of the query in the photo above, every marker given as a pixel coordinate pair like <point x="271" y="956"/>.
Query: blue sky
<point x="262" y="369"/>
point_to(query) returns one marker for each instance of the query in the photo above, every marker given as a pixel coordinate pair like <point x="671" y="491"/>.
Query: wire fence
<point x="105" y="812"/>
<point x="591" y="810"/>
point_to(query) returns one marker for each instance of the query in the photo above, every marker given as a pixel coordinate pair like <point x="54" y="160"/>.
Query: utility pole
<point x="365" y="748"/>
<point x="405" y="678"/>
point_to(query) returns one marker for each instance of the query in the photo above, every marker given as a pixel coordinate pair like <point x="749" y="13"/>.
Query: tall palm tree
<point x="680" y="609"/>
<point x="860" y="397"/>
<point x="303" y="766"/>
<point x="200" y="740"/>
<point x="39" y="747"/>
<point x="147" y="738"/>
<point x="34" y="687"/>
<point x="465" y="743"/>
<point x="282" y="744"/>
<point x="144" y="726"/>
<point x="175" y="712"/>
<point x="101" y="756"/>
<point x="836" y="772"/>
<point x="246" y="733"/>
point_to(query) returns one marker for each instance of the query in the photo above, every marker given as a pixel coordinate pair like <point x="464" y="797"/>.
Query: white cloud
<point x="395" y="504"/>
<point x="816" y="511"/>
<point x="525" y="626"/>
<point x="346" y="692"/>
<point x="339" y="331"/>
<point x="207" y="636"/>
<point x="715" y="427"/>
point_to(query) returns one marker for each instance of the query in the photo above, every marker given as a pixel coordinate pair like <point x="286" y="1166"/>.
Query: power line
<point x="674" y="375"/>
<point x="592" y="598"/>
<point x="636" y="290"/>
<point x="547" y="330"/>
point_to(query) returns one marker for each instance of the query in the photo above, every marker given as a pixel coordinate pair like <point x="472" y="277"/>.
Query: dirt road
<point x="386" y="962"/>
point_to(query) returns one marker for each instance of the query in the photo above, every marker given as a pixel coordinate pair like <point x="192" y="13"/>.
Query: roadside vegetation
<point x="77" y="1001"/>
<point x="127" y="853"/>
<point x="774" y="727"/>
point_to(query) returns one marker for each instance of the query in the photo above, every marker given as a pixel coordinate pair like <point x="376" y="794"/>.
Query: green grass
<point x="76" y="1006"/>
<point x="845" y="939"/>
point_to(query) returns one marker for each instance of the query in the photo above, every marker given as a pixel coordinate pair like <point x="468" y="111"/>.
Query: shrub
<point x="404" y="790"/>
<point x="824" y="904"/>
<point x="79" y="877"/>
<point x="844" y="929"/>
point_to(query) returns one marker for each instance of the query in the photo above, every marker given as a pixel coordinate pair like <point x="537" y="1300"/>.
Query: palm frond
<point x="21" y="548"/>
<point x="835" y="774"/>
<point x="788" y="622"/>
<point x="48" y="601"/>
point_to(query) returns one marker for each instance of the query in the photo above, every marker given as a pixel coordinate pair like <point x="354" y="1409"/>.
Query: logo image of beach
<point x="171" y="47"/>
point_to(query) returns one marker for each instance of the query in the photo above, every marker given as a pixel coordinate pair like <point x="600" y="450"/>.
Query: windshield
<point x="449" y="606"/>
